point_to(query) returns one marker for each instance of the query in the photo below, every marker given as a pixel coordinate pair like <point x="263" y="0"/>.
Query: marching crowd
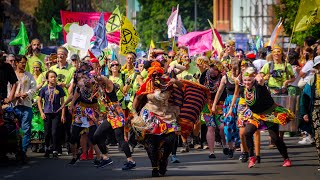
<point x="161" y="99"/>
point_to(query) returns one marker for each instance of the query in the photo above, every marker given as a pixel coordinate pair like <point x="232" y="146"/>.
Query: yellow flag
<point x="114" y="23"/>
<point x="215" y="40"/>
<point x="308" y="15"/>
<point x="129" y="38"/>
<point x="174" y="46"/>
<point x="152" y="44"/>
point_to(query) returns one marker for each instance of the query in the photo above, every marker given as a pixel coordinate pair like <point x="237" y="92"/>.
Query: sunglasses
<point x="170" y="57"/>
<point x="73" y="59"/>
<point x="239" y="56"/>
<point x="114" y="65"/>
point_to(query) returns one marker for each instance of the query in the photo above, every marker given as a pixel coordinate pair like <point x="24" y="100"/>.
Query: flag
<point x="152" y="44"/>
<point x="308" y="15"/>
<point x="174" y="45"/>
<point x="197" y="42"/>
<point x="114" y="22"/>
<point x="101" y="41"/>
<point x="164" y="45"/>
<point x="275" y="34"/>
<point x="55" y="29"/>
<point x="216" y="39"/>
<point x="21" y="39"/>
<point x="129" y="38"/>
<point x="175" y="25"/>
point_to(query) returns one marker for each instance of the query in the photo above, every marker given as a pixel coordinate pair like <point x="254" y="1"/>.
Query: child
<point x="53" y="96"/>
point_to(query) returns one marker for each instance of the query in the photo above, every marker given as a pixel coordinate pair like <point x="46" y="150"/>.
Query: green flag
<point x="55" y="29"/>
<point x="113" y="23"/>
<point x="21" y="39"/>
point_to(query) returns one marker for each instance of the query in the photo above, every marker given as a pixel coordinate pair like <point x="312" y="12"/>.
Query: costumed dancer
<point x="230" y="122"/>
<point x="156" y="119"/>
<point x="111" y="118"/>
<point x="84" y="106"/>
<point x="242" y="109"/>
<point x="264" y="112"/>
<point x="212" y="81"/>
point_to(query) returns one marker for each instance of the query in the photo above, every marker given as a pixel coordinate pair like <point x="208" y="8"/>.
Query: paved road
<point x="195" y="165"/>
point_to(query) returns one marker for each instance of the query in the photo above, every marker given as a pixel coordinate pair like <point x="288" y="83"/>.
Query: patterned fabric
<point x="275" y="115"/>
<point x="231" y="130"/>
<point x="113" y="113"/>
<point x="195" y="97"/>
<point x="317" y="141"/>
<point x="84" y="115"/>
<point x="157" y="116"/>
<point x="212" y="120"/>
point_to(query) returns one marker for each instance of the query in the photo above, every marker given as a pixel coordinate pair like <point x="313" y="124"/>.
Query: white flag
<point x="172" y="24"/>
<point x="181" y="30"/>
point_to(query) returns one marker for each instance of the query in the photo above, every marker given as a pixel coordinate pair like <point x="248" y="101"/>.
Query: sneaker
<point x="197" y="146"/>
<point x="225" y="151"/>
<point x="83" y="157"/>
<point x="90" y="155"/>
<point x="185" y="148"/>
<point x="305" y="141"/>
<point x="230" y="154"/>
<point x="129" y="165"/>
<point x="212" y="156"/>
<point x="245" y="157"/>
<point x="252" y="162"/>
<point x="96" y="162"/>
<point x="155" y="172"/>
<point x="319" y="168"/>
<point x="73" y="161"/>
<point x="105" y="162"/>
<point x="174" y="159"/>
<point x="47" y="154"/>
<point x="205" y="146"/>
<point x="55" y="155"/>
<point x="287" y="163"/>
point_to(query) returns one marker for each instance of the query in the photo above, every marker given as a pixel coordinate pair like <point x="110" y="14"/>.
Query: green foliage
<point x="153" y="16"/>
<point x="109" y="5"/>
<point x="44" y="13"/>
<point x="288" y="10"/>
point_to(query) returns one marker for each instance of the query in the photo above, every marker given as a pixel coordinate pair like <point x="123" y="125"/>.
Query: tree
<point x="108" y="5"/>
<point x="288" y="10"/>
<point x="153" y="16"/>
<point x="43" y="15"/>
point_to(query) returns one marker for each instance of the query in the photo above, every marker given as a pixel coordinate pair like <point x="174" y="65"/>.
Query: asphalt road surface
<point x="194" y="165"/>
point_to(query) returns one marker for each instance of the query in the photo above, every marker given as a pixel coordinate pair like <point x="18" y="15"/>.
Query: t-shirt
<point x="32" y="59"/>
<point x="7" y="75"/>
<point x="262" y="98"/>
<point x="65" y="75"/>
<point x="307" y="67"/>
<point x="279" y="75"/>
<point x="190" y="73"/>
<point x="119" y="84"/>
<point x="46" y="92"/>
<point x="259" y="63"/>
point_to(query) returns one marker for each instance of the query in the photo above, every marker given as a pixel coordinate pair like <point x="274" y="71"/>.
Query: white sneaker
<point x="305" y="141"/>
<point x="310" y="139"/>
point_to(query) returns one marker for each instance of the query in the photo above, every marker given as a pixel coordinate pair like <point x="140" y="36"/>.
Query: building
<point x="243" y="20"/>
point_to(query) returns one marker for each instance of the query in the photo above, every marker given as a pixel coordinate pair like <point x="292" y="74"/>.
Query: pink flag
<point x="198" y="41"/>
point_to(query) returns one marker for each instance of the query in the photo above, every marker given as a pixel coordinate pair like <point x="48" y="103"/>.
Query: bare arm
<point x="220" y="91"/>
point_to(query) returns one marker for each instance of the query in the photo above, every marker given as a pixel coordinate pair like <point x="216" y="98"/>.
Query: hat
<point x="316" y="61"/>
<point x="75" y="57"/>
<point x="230" y="42"/>
<point x="93" y="59"/>
<point x="37" y="64"/>
<point x="251" y="55"/>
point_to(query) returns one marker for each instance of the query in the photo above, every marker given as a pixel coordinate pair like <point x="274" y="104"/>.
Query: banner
<point x="198" y="41"/>
<point x="129" y="37"/>
<point x="90" y="18"/>
<point x="308" y="15"/>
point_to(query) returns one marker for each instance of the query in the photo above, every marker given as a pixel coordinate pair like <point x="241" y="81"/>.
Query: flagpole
<point x="294" y="27"/>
